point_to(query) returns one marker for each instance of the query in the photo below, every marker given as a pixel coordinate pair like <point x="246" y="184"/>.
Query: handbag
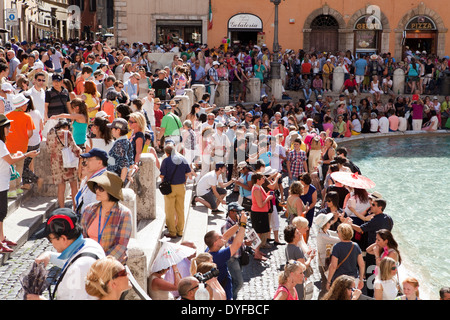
<point x="247" y="204"/>
<point x="244" y="259"/>
<point x="165" y="187"/>
<point x="70" y="160"/>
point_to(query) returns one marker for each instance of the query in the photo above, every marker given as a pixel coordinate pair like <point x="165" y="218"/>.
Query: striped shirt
<point x="116" y="232"/>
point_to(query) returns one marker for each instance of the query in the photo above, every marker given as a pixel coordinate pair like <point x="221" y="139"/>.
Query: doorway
<point x="324" y="34"/>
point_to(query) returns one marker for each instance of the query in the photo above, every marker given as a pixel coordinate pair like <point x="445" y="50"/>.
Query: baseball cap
<point x="119" y="123"/>
<point x="96" y="152"/>
<point x="235" y="206"/>
<point x="56" y="77"/>
<point x="61" y="221"/>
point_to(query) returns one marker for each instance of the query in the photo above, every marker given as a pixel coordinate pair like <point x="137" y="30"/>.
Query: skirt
<point x="260" y="221"/>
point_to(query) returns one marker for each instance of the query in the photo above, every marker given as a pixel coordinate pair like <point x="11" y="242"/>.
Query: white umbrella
<point x="170" y="254"/>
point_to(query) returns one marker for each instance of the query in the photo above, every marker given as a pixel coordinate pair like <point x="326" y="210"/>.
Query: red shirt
<point x="158" y="117"/>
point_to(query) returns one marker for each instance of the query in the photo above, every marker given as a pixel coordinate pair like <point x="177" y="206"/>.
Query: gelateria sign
<point x="245" y="22"/>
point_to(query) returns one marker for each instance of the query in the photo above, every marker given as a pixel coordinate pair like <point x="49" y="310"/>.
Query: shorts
<point x="211" y="198"/>
<point x="260" y="221"/>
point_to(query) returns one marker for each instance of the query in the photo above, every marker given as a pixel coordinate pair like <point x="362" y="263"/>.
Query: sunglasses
<point x="99" y="188"/>
<point x="131" y="121"/>
<point x="121" y="273"/>
<point x="394" y="268"/>
<point x="40" y="80"/>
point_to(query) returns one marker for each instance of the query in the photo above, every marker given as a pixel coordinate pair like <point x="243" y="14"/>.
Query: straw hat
<point x="109" y="181"/>
<point x="19" y="100"/>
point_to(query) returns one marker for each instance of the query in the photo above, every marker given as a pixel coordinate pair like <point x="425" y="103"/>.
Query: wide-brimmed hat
<point x="19" y="100"/>
<point x="109" y="181"/>
<point x="269" y="171"/>
<point x="375" y="195"/>
<point x="323" y="218"/>
<point x="7" y="87"/>
<point x="4" y="120"/>
<point x="242" y="165"/>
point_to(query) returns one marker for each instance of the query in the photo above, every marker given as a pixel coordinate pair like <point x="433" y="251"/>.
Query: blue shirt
<point x="220" y="258"/>
<point x="168" y="168"/>
<point x="360" y="67"/>
<point x="94" y="66"/>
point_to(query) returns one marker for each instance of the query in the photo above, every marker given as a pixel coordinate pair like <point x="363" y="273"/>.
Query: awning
<point x="41" y="26"/>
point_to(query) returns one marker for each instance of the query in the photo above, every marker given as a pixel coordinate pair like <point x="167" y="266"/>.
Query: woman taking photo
<point x="6" y="160"/>
<point x="386" y="285"/>
<point x="260" y="212"/>
<point x="289" y="278"/>
<point x="107" y="279"/>
<point x="61" y="175"/>
<point x="346" y="258"/>
<point x="160" y="289"/>
<point x="108" y="222"/>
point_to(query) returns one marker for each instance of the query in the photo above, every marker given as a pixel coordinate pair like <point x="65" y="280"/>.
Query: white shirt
<point x="389" y="288"/>
<point x="374" y="125"/>
<point x="402" y="124"/>
<point x="205" y="183"/>
<point x="37" y="118"/>
<point x="383" y="124"/>
<point x="5" y="171"/>
<point x="38" y="99"/>
<point x="72" y="286"/>
<point x="148" y="106"/>
<point x="275" y="161"/>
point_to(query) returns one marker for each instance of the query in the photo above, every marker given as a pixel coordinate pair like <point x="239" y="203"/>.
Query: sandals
<point x="9" y="243"/>
<point x="4" y="248"/>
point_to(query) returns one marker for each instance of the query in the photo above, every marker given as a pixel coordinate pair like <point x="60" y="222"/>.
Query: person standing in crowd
<point x="296" y="161"/>
<point x="74" y="255"/>
<point x="346" y="258"/>
<point x="95" y="162"/>
<point x="235" y="263"/>
<point x="215" y="243"/>
<point x="170" y="126"/>
<point x="37" y="92"/>
<point x="175" y="170"/>
<point x="121" y="154"/>
<point x="57" y="98"/>
<point x="21" y="131"/>
<point x="6" y="160"/>
<point x="107" y="221"/>
<point x="55" y="143"/>
<point x="288" y="280"/>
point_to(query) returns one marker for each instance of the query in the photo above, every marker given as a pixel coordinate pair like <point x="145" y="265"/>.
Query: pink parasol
<point x="353" y="180"/>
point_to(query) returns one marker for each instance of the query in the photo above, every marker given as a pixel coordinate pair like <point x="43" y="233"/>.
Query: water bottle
<point x="201" y="293"/>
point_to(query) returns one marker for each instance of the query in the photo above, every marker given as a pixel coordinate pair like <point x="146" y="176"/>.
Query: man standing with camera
<point x="216" y="242"/>
<point x="235" y="262"/>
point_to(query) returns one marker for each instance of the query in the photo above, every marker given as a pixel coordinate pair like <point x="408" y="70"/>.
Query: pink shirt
<point x="393" y="123"/>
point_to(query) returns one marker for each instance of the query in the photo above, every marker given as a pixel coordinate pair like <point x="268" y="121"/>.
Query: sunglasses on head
<point x="121" y="273"/>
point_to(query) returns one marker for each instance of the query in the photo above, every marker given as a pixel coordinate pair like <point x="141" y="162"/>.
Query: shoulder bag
<point x="165" y="186"/>
<point x="70" y="160"/>
<point x="340" y="264"/>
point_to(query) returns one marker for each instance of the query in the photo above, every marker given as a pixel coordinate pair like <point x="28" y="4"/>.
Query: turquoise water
<point x="413" y="175"/>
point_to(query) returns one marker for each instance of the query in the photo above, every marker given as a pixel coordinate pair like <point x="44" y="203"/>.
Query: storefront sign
<point x="421" y="23"/>
<point x="368" y="23"/>
<point x="248" y="22"/>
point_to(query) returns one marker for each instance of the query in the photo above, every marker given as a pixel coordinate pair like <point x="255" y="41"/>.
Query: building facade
<point x="161" y="21"/>
<point x="376" y="27"/>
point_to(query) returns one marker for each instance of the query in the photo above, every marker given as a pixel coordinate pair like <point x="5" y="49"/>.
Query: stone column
<point x="253" y="90"/>
<point x="183" y="105"/>
<point x="199" y="91"/>
<point x="190" y="94"/>
<point x="398" y="81"/>
<point x="338" y="78"/>
<point x="42" y="170"/>
<point x="276" y="88"/>
<point x="145" y="187"/>
<point x="129" y="201"/>
<point x="137" y="262"/>
<point x="222" y="97"/>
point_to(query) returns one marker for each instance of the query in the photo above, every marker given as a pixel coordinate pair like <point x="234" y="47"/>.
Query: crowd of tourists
<point x="98" y="109"/>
